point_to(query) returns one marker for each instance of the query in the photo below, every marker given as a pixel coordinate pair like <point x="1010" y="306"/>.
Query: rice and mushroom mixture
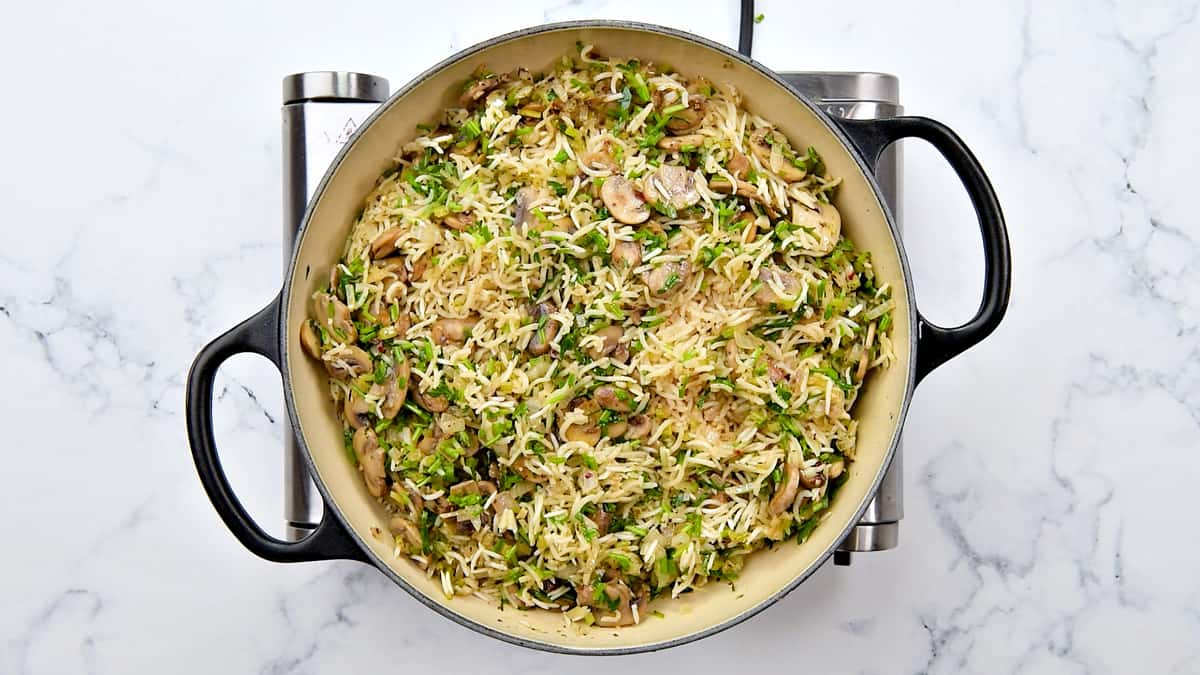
<point x="597" y="337"/>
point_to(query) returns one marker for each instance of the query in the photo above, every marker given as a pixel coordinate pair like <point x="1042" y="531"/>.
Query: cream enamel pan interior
<point x="880" y="409"/>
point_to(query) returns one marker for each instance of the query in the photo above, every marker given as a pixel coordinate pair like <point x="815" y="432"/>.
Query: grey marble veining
<point x="1050" y="472"/>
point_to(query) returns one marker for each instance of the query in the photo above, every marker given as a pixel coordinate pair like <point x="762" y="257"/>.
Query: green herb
<point x="558" y="188"/>
<point x="621" y="560"/>
<point x="694" y="524"/>
<point x="837" y="379"/>
<point x="561" y="156"/>
<point x="759" y="18"/>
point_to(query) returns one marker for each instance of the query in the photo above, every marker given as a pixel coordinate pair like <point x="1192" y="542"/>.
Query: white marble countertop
<point x="1049" y="527"/>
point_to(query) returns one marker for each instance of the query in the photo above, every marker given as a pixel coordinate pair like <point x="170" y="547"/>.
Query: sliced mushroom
<point x="346" y="362"/>
<point x="521" y="466"/>
<point x="504" y="502"/>
<point x="767" y="145"/>
<point x="523" y="204"/>
<point x="741" y="189"/>
<point x="627" y="253"/>
<point x="613" y="590"/>
<point x="766" y="293"/>
<point x="480" y="88"/>
<point x="611" y="398"/>
<point x="546" y="331"/>
<point x="453" y="330"/>
<point x="623" y="201"/>
<point x="334" y="316"/>
<point x="667" y="277"/>
<point x="639" y="427"/>
<point x="672" y="184"/>
<point x="408" y="532"/>
<point x="611" y="338"/>
<point x="370" y="459"/>
<point x="812" y="478"/>
<point x="483" y="488"/>
<point x="600" y="159"/>
<point x="356" y="410"/>
<point x="583" y="433"/>
<point x="428" y="443"/>
<point x="602" y="519"/>
<point x="418" y="268"/>
<point x="616" y="429"/>
<point x="786" y="493"/>
<point x="389" y="268"/>
<point x="825" y="221"/>
<point x="393" y="391"/>
<point x="385" y="244"/>
<point x="678" y="143"/>
<point x="688" y="118"/>
<point x="434" y="404"/>
<point x="459" y="221"/>
<point x="738" y="165"/>
<point x="310" y="340"/>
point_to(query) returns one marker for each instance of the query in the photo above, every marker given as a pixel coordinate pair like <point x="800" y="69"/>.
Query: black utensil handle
<point x="258" y="335"/>
<point x="935" y="344"/>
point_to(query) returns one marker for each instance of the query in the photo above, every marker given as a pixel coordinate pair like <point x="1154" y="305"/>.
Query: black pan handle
<point x="259" y="335"/>
<point x="935" y="344"/>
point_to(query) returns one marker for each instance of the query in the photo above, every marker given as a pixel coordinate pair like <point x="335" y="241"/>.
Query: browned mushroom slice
<point x="610" y="338"/>
<point x="479" y="87"/>
<point x="459" y="221"/>
<point x="812" y="478"/>
<point x="347" y="362"/>
<point x="766" y="293"/>
<point x="668" y="277"/>
<point x="600" y="159"/>
<point x="611" y="398"/>
<point x="356" y="410"/>
<point x="768" y="146"/>
<point x="504" y="502"/>
<point x="527" y="198"/>
<point x="623" y="201"/>
<point x="521" y="466"/>
<point x="741" y="189"/>
<point x="584" y="433"/>
<point x="370" y="459"/>
<point x="418" y="268"/>
<point x="616" y="429"/>
<point x="614" y="592"/>
<point x="387" y="270"/>
<point x="602" y="519"/>
<point x="786" y="493"/>
<point x="627" y="253"/>
<point x="434" y="404"/>
<point x="738" y="165"/>
<point x="672" y="184"/>
<point x="409" y="533"/>
<point x="451" y="330"/>
<point x="334" y="316"/>
<point x="640" y="426"/>
<point x="688" y="118"/>
<point x="680" y="143"/>
<point x="310" y="339"/>
<point x="546" y="329"/>
<point x="747" y="223"/>
<point x="385" y="244"/>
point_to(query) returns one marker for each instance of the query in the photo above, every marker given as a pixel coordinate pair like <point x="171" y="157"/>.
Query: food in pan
<point x="597" y="337"/>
